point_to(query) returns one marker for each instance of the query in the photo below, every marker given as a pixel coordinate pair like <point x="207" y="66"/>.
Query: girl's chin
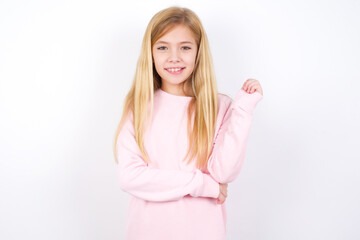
<point x="175" y="78"/>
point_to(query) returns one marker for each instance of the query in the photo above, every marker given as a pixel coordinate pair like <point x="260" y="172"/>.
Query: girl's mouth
<point x="175" y="71"/>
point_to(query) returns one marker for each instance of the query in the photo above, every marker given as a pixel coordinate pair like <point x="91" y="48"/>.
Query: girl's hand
<point x="251" y="86"/>
<point x="223" y="193"/>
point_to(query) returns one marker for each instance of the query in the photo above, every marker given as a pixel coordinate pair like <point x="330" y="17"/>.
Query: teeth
<point x="174" y="69"/>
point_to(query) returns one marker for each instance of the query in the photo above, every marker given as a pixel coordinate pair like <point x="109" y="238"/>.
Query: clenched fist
<point x="251" y="86"/>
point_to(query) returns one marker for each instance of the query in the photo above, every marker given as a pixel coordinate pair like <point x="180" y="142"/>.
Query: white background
<point x="65" y="67"/>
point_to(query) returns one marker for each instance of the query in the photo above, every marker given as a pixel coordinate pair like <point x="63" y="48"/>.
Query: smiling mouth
<point x="175" y="70"/>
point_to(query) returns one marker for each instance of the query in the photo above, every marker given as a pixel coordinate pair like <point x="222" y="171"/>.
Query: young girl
<point x="180" y="142"/>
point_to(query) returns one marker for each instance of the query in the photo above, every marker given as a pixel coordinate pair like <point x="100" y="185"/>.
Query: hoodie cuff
<point x="208" y="188"/>
<point x="246" y="101"/>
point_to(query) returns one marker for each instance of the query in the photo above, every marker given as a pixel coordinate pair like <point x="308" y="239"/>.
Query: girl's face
<point x="174" y="57"/>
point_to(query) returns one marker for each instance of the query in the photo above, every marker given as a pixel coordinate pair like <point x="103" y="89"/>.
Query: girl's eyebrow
<point x="163" y="42"/>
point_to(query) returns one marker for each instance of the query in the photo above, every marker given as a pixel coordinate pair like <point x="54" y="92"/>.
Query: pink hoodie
<point x="169" y="199"/>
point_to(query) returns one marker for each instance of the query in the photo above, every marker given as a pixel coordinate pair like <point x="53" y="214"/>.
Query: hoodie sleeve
<point x="230" y="142"/>
<point x="141" y="180"/>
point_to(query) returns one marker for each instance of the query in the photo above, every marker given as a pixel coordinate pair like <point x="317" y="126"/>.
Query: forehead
<point x="177" y="34"/>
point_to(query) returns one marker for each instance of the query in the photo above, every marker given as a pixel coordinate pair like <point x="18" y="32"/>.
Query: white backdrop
<point x="65" y="67"/>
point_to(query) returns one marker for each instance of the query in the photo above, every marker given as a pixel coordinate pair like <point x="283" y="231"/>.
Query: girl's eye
<point x="186" y="48"/>
<point x="162" y="48"/>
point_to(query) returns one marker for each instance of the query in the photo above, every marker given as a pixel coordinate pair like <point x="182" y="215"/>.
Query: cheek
<point x="191" y="59"/>
<point x="158" y="60"/>
<point x="158" y="64"/>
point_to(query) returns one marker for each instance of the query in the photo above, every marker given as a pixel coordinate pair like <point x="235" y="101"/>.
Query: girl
<point x="180" y="142"/>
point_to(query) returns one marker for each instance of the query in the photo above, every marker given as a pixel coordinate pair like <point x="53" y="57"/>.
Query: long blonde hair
<point x="202" y="80"/>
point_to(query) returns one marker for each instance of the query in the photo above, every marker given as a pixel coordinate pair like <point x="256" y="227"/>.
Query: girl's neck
<point x="178" y="90"/>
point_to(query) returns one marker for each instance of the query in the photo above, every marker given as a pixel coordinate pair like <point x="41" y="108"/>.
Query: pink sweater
<point x="169" y="199"/>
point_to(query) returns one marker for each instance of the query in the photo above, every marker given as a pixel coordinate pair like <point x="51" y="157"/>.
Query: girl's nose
<point x="174" y="56"/>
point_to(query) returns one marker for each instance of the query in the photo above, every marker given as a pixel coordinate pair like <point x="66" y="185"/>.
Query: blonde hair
<point x="202" y="80"/>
